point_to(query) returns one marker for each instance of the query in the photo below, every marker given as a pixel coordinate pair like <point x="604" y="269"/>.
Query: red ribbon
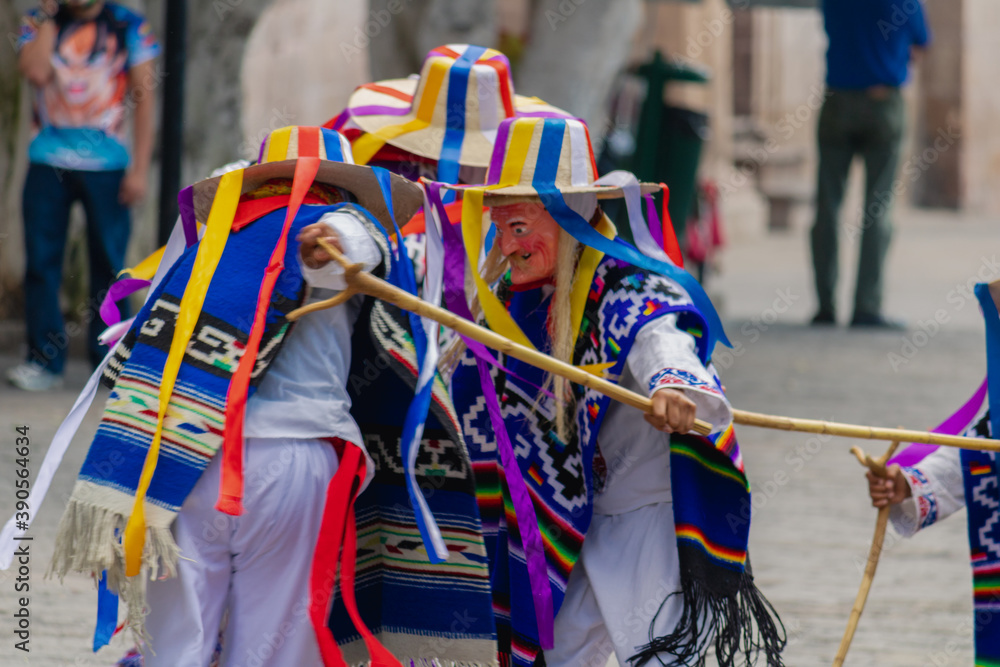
<point x="231" y="487"/>
<point x="670" y="244"/>
<point x="339" y="529"/>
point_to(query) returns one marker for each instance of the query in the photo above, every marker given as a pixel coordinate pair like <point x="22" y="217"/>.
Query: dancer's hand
<point x="673" y="412"/>
<point x="311" y="252"/>
<point x="890" y="491"/>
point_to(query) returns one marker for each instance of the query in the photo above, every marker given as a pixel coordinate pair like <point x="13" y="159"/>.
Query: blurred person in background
<point x="87" y="61"/>
<point x="871" y="43"/>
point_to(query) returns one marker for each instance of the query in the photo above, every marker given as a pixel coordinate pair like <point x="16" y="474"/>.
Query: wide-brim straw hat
<point x="538" y="155"/>
<point x="280" y="154"/>
<point x="451" y="111"/>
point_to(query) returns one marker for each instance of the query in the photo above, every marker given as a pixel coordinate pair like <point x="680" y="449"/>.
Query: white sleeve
<point x="358" y="247"/>
<point x="938" y="492"/>
<point x="664" y="356"/>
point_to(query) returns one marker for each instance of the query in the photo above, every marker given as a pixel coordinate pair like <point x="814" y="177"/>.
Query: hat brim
<point x="359" y="180"/>
<point x="516" y="194"/>
<point x="477" y="149"/>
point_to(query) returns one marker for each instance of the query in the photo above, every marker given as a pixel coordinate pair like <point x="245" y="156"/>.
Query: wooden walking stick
<point x="877" y="466"/>
<point x="361" y="282"/>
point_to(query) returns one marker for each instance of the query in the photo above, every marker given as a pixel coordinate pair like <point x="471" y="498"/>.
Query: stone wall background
<point x="254" y="65"/>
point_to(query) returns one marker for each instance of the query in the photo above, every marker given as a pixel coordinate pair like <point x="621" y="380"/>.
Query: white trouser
<point x="257" y="565"/>
<point x="627" y="567"/>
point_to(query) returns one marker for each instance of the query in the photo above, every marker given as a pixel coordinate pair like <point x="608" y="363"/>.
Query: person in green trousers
<point x="871" y="43"/>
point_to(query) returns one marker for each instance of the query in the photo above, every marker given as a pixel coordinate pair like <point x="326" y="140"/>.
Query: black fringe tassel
<point x="741" y="624"/>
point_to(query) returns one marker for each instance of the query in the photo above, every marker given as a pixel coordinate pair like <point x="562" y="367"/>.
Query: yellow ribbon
<point x="584" y="278"/>
<point x="209" y="252"/>
<point x="496" y="314"/>
<point x="368" y="144"/>
<point x="146" y="269"/>
<point x="277" y="145"/>
<point x="472" y="230"/>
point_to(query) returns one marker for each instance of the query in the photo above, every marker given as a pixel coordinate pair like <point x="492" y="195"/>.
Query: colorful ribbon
<point x="231" y="486"/>
<point x="337" y="543"/>
<point x="107" y="613"/>
<point x="209" y="252"/>
<point x="953" y="425"/>
<point x="454" y="134"/>
<point x="544" y="184"/>
<point x="524" y="509"/>
<point x="426" y="348"/>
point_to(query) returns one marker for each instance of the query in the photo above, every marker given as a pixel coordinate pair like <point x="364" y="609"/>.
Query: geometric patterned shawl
<point x="428" y="613"/>
<point x="708" y="476"/>
<point x="89" y="537"/>
<point x="981" y="473"/>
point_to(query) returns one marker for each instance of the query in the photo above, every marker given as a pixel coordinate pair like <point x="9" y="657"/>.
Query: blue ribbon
<point x="992" y="318"/>
<point x="107" y="613"/>
<point x="403" y="276"/>
<point x="454" y="134"/>
<point x="546" y="167"/>
<point x="331" y="141"/>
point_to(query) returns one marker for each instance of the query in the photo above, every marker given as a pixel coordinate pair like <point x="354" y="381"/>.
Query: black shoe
<point x="823" y="318"/>
<point x="877" y="321"/>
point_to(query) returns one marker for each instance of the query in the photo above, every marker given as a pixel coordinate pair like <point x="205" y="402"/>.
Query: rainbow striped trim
<point x="691" y="453"/>
<point x="693" y="535"/>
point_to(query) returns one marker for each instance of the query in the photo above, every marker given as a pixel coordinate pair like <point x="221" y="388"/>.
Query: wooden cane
<point x="877" y="466"/>
<point x="363" y="282"/>
<point x="359" y="281"/>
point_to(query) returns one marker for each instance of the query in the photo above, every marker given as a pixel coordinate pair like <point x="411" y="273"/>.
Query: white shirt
<point x="938" y="489"/>
<point x="304" y="393"/>
<point x="636" y="454"/>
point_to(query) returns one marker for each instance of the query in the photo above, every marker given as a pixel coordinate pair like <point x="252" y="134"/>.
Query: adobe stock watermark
<point x="712" y="29"/>
<point x="912" y="343"/>
<point x="250" y="148"/>
<point x="911" y="171"/>
<point x="784" y="300"/>
<point x="372" y="28"/>
<point x="763" y="492"/>
<point x="962" y="636"/>
<point x="901" y="14"/>
<point x="561" y="13"/>
<point x="784" y="129"/>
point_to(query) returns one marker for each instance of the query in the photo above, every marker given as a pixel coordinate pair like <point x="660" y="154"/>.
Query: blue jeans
<point x="48" y="195"/>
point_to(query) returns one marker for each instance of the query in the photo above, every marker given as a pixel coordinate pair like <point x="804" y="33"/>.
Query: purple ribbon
<point x="953" y="425"/>
<point x="185" y="203"/>
<point x="524" y="510"/>
<point x="496" y="160"/>
<point x="118" y="291"/>
<point x="655" y="228"/>
<point x="378" y="110"/>
<point x="542" y="114"/>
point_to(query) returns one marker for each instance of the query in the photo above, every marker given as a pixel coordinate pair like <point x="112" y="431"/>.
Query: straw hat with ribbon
<point x="545" y="159"/>
<point x="450" y="112"/>
<point x="320" y="155"/>
<point x="550" y="161"/>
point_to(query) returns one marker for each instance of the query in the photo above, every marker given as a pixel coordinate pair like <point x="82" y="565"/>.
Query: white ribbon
<point x="637" y="222"/>
<point x="53" y="457"/>
<point x="433" y="292"/>
<point x="71" y="424"/>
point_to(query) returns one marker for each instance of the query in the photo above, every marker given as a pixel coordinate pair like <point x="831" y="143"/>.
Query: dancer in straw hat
<point x="211" y="360"/>
<point x="925" y="484"/>
<point x="440" y="124"/>
<point x="589" y="512"/>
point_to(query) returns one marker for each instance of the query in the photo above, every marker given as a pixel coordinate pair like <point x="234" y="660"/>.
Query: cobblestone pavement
<point x="812" y="521"/>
